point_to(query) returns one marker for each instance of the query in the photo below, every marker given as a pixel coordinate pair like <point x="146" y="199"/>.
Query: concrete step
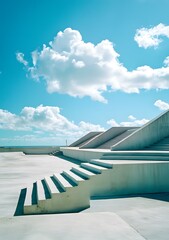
<point x="144" y="152"/>
<point x="62" y="181"/>
<point x="28" y="198"/>
<point x="40" y="191"/>
<point x="73" y="177"/>
<point x="29" y="206"/>
<point x="83" y="172"/>
<point x="162" y="158"/>
<point x="101" y="163"/>
<point x="91" y="167"/>
<point x="51" y="186"/>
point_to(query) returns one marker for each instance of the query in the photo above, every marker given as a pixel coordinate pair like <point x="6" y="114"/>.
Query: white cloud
<point x="133" y="123"/>
<point x="113" y="123"/>
<point x="166" y="61"/>
<point x="20" y="58"/>
<point x="45" y="119"/>
<point x="131" y="117"/>
<point x="161" y="105"/>
<point x="151" y="37"/>
<point x="71" y="66"/>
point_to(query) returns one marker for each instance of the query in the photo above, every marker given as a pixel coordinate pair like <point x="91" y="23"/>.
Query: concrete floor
<point x="17" y="171"/>
<point x="129" y="218"/>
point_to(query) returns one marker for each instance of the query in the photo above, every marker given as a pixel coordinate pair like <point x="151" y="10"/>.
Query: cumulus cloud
<point x="131" y="117"/>
<point x="20" y="58"/>
<point x="132" y="123"/>
<point x="151" y="37"/>
<point x="166" y="61"/>
<point x="161" y="105"/>
<point x="113" y="123"/>
<point x="71" y="66"/>
<point x="45" y="119"/>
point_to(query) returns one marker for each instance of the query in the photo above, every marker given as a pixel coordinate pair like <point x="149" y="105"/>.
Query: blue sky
<point x="69" y="67"/>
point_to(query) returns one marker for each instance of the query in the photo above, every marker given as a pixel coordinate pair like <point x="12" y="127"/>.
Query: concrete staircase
<point x="150" y="155"/>
<point x="162" y="145"/>
<point x="69" y="191"/>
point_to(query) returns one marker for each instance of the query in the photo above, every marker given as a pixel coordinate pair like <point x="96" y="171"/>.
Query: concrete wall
<point x="109" y="143"/>
<point x="131" y="178"/>
<point x="150" y="133"/>
<point x="84" y="155"/>
<point x="31" y="150"/>
<point x="84" y="139"/>
<point x="106" y="136"/>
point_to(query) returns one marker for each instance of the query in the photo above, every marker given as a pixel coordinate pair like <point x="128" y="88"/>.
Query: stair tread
<point x="101" y="163"/>
<point x="51" y="186"/>
<point x="40" y="191"/>
<point x="63" y="182"/>
<point x="94" y="166"/>
<point x="74" y="176"/>
<point x="82" y="170"/>
<point x="28" y="198"/>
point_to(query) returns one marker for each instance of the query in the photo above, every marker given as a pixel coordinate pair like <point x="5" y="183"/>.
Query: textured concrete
<point x="83" y="140"/>
<point x="83" y="154"/>
<point x="147" y="214"/>
<point x="106" y="136"/>
<point x="97" y="226"/>
<point x="31" y="150"/>
<point x="18" y="170"/>
<point x="152" y="132"/>
<point x="130" y="218"/>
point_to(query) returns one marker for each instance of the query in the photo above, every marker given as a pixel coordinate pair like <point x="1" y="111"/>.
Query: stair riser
<point x="146" y="153"/>
<point x="81" y="174"/>
<point x="102" y="164"/>
<point x="61" y="184"/>
<point x="73" y="179"/>
<point x="72" y="201"/>
<point x="91" y="168"/>
<point x="159" y="158"/>
<point x="33" y="209"/>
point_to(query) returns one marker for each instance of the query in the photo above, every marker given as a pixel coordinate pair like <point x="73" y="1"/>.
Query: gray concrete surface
<point x="106" y="136"/>
<point x="150" y="133"/>
<point x="147" y="214"/>
<point x="130" y="218"/>
<point x="97" y="226"/>
<point x="18" y="170"/>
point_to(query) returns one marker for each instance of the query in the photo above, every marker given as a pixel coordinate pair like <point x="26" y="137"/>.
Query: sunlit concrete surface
<point x="18" y="170"/>
<point x="147" y="214"/>
<point x="130" y="218"/>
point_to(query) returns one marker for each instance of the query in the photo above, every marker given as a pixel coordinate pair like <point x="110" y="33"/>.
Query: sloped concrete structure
<point x="150" y="133"/>
<point x="85" y="139"/>
<point x="109" y="137"/>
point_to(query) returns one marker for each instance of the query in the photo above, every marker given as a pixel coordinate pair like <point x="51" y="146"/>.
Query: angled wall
<point x="106" y="136"/>
<point x="84" y="139"/>
<point x="112" y="141"/>
<point x="150" y="133"/>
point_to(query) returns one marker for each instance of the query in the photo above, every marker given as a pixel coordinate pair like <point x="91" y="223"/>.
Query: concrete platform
<point x="17" y="171"/>
<point x="130" y="217"/>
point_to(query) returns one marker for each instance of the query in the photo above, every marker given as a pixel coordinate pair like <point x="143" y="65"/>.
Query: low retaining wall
<point x="83" y="155"/>
<point x="31" y="150"/>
